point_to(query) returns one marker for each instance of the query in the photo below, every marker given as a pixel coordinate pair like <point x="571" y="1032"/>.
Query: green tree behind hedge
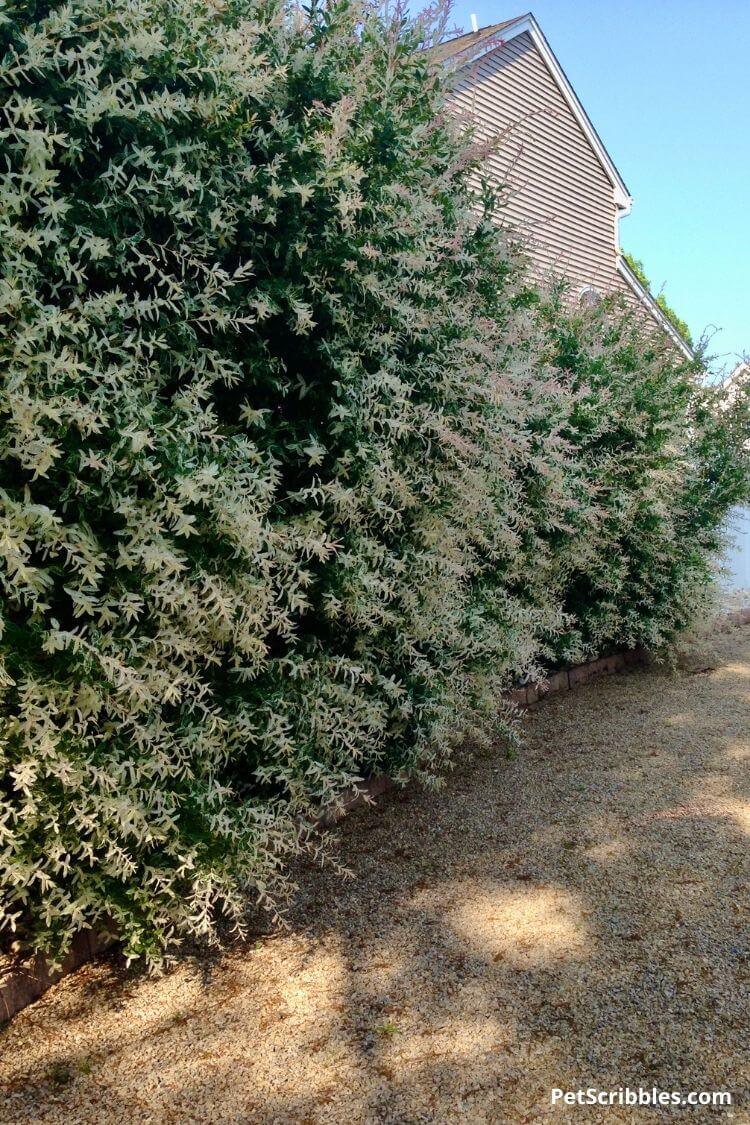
<point x="639" y="270"/>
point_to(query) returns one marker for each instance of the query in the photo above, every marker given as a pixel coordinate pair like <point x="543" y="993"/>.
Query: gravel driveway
<point x="576" y="917"/>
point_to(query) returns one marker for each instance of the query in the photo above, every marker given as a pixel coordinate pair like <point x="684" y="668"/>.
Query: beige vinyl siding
<point x="555" y="190"/>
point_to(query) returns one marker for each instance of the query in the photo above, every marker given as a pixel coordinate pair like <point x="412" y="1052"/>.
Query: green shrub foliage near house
<point x="657" y="459"/>
<point x="639" y="270"/>
<point x="295" y="474"/>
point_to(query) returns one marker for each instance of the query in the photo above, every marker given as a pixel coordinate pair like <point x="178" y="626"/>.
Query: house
<point x="740" y="374"/>
<point x="737" y="379"/>
<point x="562" y="191"/>
<point x="737" y="556"/>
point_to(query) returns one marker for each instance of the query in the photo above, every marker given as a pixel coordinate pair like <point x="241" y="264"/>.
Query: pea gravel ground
<point x="576" y="917"/>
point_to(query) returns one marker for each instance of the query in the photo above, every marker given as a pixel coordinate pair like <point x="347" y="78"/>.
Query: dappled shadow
<point x="576" y="917"/>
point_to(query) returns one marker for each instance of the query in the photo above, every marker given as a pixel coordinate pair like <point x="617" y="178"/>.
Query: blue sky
<point x="667" y="86"/>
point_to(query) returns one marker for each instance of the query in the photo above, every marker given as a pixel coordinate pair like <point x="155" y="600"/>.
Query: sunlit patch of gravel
<point x="577" y="916"/>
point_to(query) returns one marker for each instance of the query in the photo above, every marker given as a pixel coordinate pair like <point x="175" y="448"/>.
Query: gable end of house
<point x="562" y="189"/>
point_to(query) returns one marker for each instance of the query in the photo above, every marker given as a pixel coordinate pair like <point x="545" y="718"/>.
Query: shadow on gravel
<point x="577" y="917"/>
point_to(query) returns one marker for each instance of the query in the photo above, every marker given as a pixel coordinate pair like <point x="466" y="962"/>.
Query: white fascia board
<point x="623" y="198"/>
<point x="648" y="300"/>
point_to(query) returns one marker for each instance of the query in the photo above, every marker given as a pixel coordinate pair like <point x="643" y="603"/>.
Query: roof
<point x="465" y="49"/>
<point x="474" y="41"/>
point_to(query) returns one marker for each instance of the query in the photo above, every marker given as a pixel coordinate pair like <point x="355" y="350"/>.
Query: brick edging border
<point x="20" y="987"/>
<point x="576" y="675"/>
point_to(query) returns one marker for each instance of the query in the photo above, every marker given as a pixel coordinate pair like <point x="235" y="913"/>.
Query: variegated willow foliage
<point x="294" y="474"/>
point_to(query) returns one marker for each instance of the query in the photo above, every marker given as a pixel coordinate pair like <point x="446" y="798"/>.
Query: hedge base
<point x="21" y="986"/>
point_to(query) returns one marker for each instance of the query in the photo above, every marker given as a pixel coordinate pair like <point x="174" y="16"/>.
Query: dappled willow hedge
<point x="295" y="473"/>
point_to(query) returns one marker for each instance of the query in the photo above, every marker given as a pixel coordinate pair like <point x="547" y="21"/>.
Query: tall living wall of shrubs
<point x="295" y="472"/>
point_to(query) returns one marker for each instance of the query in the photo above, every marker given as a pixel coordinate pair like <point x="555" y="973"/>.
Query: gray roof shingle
<point x="474" y="41"/>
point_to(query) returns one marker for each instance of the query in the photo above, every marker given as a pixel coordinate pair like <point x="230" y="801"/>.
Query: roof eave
<point x="650" y="302"/>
